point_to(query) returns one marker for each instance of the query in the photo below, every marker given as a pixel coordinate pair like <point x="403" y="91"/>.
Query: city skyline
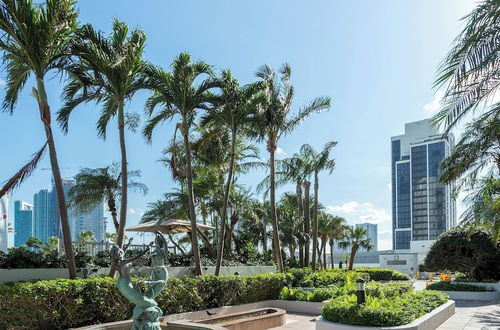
<point x="354" y="190"/>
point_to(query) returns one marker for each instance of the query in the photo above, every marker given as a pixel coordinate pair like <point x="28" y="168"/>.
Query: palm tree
<point x="177" y="94"/>
<point x="472" y="67"/>
<point x="271" y="121"/>
<point x="355" y="238"/>
<point x="34" y="42"/>
<point x="93" y="185"/>
<point x="318" y="162"/>
<point x="109" y="71"/>
<point x="336" y="230"/>
<point x="231" y="115"/>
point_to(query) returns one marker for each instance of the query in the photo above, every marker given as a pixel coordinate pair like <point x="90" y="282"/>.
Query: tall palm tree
<point x="272" y="122"/>
<point x="317" y="162"/>
<point x="93" y="185"/>
<point x="231" y="115"/>
<point x="178" y="93"/>
<point x="109" y="71"/>
<point x="34" y="42"/>
<point x="471" y="69"/>
<point x="355" y="238"/>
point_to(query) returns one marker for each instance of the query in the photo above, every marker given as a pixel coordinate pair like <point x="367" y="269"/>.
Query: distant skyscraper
<point x="421" y="207"/>
<point x="23" y="222"/>
<point x="41" y="216"/>
<point x="4" y="216"/>
<point x="372" y="233"/>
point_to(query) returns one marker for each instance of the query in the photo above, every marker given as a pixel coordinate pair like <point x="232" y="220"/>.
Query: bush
<point x="377" y="274"/>
<point x="467" y="251"/>
<point x="329" y="277"/>
<point x="382" y="312"/>
<point x="298" y="275"/>
<point x="61" y="304"/>
<point x="450" y="286"/>
<point x="388" y="290"/>
<point x="398" y="276"/>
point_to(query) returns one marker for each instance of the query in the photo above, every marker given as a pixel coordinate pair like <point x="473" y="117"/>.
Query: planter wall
<point x="429" y="321"/>
<point x="28" y="274"/>
<point x="468" y="295"/>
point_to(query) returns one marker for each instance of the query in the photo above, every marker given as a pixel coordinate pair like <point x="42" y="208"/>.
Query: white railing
<point x="93" y="247"/>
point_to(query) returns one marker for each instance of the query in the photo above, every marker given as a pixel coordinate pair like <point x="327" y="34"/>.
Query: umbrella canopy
<point x="171" y="226"/>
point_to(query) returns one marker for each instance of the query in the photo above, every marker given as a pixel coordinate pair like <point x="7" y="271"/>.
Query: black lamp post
<point x="360" y="290"/>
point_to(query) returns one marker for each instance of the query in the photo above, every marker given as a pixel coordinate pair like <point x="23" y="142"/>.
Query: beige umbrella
<point x="171" y="226"/>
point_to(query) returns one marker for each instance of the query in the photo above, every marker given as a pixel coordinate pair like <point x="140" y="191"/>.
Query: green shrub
<point x="377" y="274"/>
<point x="61" y="304"/>
<point x="298" y="275"/>
<point x="294" y="294"/>
<point x="382" y="312"/>
<point x="388" y="290"/>
<point x="323" y="294"/>
<point x="398" y="276"/>
<point x="337" y="277"/>
<point x="450" y="286"/>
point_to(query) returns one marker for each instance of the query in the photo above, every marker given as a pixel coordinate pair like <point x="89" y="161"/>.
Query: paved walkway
<point x="474" y="315"/>
<point x="299" y="321"/>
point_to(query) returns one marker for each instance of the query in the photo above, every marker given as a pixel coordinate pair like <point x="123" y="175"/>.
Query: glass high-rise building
<point x="42" y="223"/>
<point x="4" y="224"/>
<point x="372" y="233"/>
<point x="422" y="208"/>
<point x="23" y="222"/>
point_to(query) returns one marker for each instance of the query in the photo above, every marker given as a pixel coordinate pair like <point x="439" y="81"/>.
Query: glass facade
<point x="403" y="238"/>
<point x="41" y="222"/>
<point x="396" y="155"/>
<point x="419" y="191"/>
<point x="23" y="222"/>
<point x="422" y="208"/>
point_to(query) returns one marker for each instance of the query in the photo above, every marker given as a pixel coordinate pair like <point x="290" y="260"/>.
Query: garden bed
<point x="466" y="291"/>
<point x="431" y="320"/>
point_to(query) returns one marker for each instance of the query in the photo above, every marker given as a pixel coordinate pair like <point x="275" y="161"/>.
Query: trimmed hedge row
<point x="62" y="303"/>
<point x="383" y="312"/>
<point x="450" y="286"/>
<point x="305" y="277"/>
<point x="379" y="290"/>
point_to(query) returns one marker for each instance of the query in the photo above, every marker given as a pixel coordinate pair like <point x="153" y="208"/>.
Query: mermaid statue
<point x="146" y="315"/>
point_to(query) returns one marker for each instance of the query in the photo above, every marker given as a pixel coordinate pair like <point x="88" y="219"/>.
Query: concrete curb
<point x="429" y="321"/>
<point x="471" y="295"/>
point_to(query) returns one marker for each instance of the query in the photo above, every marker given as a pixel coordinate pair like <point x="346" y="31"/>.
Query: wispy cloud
<point x="280" y="151"/>
<point x="3" y="82"/>
<point x="139" y="212"/>
<point x="364" y="212"/>
<point x="433" y="107"/>
<point x="389" y="186"/>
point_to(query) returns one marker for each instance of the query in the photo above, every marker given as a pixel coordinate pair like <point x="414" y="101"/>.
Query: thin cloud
<point x="433" y="107"/>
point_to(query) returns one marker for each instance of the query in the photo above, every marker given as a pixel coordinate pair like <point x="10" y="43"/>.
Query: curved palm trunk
<point x="307" y="220"/>
<point x="274" y="218"/>
<point x="351" y="259"/>
<point x="315" y="219"/>
<point x="298" y="194"/>
<point x="331" y="253"/>
<point x="192" y="213"/>
<point x="112" y="209"/>
<point x="56" y="173"/>
<point x="220" y="243"/>
<point x="124" y="182"/>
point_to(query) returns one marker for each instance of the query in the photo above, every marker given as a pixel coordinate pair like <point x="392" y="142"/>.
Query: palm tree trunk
<point x="307" y="223"/>
<point x="324" y="256"/>
<point x="274" y="218"/>
<point x="192" y="213"/>
<point x="124" y="184"/>
<point x="56" y="173"/>
<point x="351" y="259"/>
<point x="298" y="194"/>
<point x="264" y="241"/>
<point x="220" y="243"/>
<point x="315" y="219"/>
<point x="112" y="209"/>
<point x="331" y="253"/>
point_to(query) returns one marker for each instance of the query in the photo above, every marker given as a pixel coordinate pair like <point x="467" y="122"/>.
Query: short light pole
<point x="360" y="290"/>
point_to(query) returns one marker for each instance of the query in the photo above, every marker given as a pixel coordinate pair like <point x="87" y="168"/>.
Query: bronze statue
<point x="146" y="311"/>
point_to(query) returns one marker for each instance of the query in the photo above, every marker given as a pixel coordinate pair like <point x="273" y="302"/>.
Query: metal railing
<point x="92" y="248"/>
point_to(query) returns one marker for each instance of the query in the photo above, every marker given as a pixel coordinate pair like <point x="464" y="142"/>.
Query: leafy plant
<point x="450" y="286"/>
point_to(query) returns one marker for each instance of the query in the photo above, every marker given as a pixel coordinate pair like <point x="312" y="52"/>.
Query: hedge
<point x="450" y="286"/>
<point x="305" y="277"/>
<point x="382" y="312"/>
<point x="379" y="290"/>
<point x="63" y="303"/>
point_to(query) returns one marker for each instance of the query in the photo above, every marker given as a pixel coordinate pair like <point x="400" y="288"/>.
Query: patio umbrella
<point x="170" y="226"/>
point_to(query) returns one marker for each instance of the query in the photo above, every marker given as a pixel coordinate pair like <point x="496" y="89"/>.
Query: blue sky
<point x="375" y="59"/>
